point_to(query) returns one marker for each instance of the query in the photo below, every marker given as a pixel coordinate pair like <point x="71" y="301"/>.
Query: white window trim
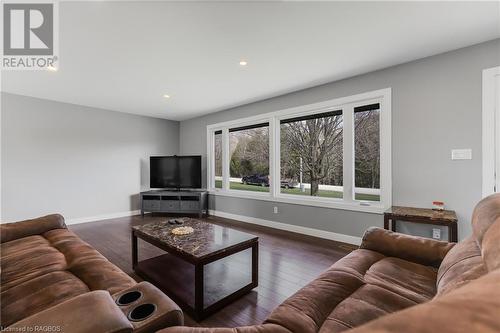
<point x="491" y="135"/>
<point x="382" y="96"/>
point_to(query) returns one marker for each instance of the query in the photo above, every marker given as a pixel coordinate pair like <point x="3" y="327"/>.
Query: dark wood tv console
<point x="183" y="201"/>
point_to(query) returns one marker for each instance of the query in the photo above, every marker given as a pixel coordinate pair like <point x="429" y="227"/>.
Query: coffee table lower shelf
<point x="203" y="288"/>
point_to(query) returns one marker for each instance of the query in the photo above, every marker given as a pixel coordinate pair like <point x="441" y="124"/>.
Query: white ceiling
<point x="124" y="56"/>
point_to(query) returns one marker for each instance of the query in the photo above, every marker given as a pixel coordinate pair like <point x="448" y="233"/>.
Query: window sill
<point x="375" y="208"/>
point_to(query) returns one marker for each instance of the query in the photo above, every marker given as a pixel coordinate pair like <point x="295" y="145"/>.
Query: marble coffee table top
<point x="207" y="238"/>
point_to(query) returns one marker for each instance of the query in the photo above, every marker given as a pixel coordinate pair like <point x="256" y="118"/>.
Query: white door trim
<point x="1" y="152"/>
<point x="491" y="130"/>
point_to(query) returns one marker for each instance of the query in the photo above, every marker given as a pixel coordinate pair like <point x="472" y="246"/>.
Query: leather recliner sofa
<point x="53" y="281"/>
<point x="397" y="283"/>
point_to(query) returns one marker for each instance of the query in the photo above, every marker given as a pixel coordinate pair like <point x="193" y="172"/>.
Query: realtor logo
<point x="29" y="35"/>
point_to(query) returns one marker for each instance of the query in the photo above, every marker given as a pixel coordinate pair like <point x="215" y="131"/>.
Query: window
<point x="367" y="152"/>
<point x="249" y="158"/>
<point x="218" y="159"/>
<point x="330" y="154"/>
<point x="311" y="155"/>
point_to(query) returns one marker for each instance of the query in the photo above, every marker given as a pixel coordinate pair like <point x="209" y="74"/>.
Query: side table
<point x="447" y="218"/>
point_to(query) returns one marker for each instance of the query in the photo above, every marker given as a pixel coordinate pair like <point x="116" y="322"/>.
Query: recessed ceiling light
<point x="243" y="63"/>
<point x="166" y="96"/>
<point x="52" y="68"/>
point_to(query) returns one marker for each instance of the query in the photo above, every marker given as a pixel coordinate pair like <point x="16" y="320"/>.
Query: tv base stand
<point x="163" y="201"/>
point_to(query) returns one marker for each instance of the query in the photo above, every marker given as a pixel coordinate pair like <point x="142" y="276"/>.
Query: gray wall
<point x="76" y="160"/>
<point x="436" y="106"/>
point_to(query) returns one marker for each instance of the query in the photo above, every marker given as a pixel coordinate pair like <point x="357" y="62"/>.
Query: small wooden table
<point x="196" y="272"/>
<point x="447" y="218"/>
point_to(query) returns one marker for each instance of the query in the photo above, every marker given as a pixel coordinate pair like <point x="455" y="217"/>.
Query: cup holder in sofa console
<point x="141" y="312"/>
<point x="128" y="297"/>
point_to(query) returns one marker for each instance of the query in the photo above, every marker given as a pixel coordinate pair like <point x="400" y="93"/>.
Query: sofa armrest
<point x="15" y="230"/>
<point x="90" y="312"/>
<point x="263" y="328"/>
<point x="421" y="250"/>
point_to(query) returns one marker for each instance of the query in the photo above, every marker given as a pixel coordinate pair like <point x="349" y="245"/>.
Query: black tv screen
<point x="175" y="171"/>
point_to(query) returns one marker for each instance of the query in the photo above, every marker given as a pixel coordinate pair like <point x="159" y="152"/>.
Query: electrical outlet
<point x="436" y="233"/>
<point x="275" y="209"/>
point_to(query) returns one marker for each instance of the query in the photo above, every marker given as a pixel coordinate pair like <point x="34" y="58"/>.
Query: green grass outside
<point x="296" y="191"/>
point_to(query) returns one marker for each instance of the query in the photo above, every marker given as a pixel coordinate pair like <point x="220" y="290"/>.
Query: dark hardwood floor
<point x="287" y="262"/>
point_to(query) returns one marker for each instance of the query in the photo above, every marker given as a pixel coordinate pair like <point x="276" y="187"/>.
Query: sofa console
<point x="163" y="201"/>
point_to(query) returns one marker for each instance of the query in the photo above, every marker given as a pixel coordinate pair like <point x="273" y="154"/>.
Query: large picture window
<point x="311" y="155"/>
<point x="332" y="154"/>
<point x="249" y="162"/>
<point x="367" y="152"/>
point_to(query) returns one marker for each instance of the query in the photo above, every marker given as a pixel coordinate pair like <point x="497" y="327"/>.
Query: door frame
<point x="491" y="131"/>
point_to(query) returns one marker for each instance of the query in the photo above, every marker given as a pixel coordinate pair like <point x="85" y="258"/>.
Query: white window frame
<point x="491" y="131"/>
<point x="347" y="104"/>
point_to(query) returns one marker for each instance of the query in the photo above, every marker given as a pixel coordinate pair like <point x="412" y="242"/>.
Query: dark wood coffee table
<point x="197" y="272"/>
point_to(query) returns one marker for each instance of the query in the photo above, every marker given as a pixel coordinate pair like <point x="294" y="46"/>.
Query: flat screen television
<point x="167" y="172"/>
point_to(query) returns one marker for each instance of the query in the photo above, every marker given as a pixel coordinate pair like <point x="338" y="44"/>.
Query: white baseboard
<point x="289" y="227"/>
<point x="253" y="220"/>
<point x="102" y="217"/>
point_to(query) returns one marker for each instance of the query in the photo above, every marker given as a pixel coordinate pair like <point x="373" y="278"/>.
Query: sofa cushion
<point x="22" y="229"/>
<point x="307" y="309"/>
<point x="73" y="248"/>
<point x="22" y="244"/>
<point x="367" y="303"/>
<point x="100" y="274"/>
<point x="28" y="258"/>
<point x="407" y="279"/>
<point x="390" y="284"/>
<point x="39" y="293"/>
<point x="424" y="251"/>
<point x="87" y="264"/>
<point x="469" y="309"/>
<point x="461" y="265"/>
<point x="362" y="286"/>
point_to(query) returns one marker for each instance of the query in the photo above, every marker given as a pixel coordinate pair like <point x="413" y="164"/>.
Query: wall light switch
<point x="461" y="154"/>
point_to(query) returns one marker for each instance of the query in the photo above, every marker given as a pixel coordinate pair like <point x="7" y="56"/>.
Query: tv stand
<point x="175" y="201"/>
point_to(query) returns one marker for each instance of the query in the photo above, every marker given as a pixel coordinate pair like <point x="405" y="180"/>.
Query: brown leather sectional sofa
<point x="392" y="283"/>
<point x="53" y="281"/>
<point x="398" y="283"/>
